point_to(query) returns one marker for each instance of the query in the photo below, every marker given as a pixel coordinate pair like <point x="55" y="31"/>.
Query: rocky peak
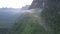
<point x="45" y="4"/>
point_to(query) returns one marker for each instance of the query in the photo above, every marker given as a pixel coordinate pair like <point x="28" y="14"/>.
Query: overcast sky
<point x="14" y="3"/>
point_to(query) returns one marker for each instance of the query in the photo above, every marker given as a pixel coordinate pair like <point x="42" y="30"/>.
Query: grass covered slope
<point x="28" y="24"/>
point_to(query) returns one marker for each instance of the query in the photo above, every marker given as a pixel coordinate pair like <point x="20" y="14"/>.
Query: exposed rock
<point x="45" y="4"/>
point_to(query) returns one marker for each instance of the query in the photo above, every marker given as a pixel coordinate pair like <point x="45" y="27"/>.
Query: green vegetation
<point x="52" y="19"/>
<point x="28" y="24"/>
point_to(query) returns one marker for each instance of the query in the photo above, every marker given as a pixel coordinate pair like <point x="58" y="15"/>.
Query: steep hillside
<point x="49" y="22"/>
<point x="50" y="13"/>
<point x="30" y="23"/>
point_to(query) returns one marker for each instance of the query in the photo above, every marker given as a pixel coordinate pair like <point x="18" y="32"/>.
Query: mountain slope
<point x="50" y="13"/>
<point x="28" y="23"/>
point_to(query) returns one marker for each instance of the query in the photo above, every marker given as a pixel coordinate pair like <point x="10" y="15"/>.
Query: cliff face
<point x="45" y="4"/>
<point x="51" y="13"/>
<point x="36" y="4"/>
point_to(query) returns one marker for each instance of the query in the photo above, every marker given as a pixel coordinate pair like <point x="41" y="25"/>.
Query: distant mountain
<point x="25" y="7"/>
<point x="8" y="16"/>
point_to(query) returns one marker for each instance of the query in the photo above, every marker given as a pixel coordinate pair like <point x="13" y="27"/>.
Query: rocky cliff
<point x="45" y="4"/>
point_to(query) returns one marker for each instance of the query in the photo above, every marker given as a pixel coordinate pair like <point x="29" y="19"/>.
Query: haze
<point x="14" y="3"/>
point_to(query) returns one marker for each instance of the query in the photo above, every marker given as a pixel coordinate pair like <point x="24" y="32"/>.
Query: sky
<point x="14" y="3"/>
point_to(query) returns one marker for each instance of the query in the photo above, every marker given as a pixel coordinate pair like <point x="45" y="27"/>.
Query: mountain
<point x="50" y="13"/>
<point x="8" y="17"/>
<point x="43" y="17"/>
<point x="29" y="23"/>
<point x="25" y="7"/>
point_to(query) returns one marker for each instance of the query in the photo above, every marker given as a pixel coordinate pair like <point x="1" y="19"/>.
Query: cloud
<point x="14" y="3"/>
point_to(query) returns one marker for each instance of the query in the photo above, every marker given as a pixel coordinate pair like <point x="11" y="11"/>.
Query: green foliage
<point x="28" y="24"/>
<point x="52" y="19"/>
